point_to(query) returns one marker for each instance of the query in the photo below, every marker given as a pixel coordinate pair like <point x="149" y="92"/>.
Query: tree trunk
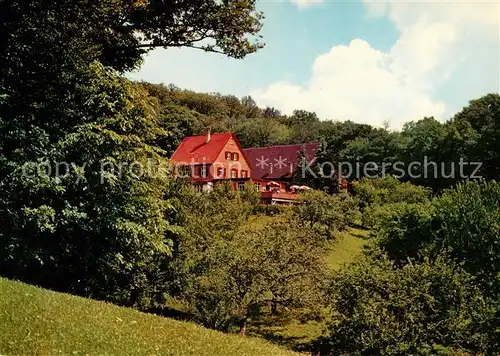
<point x="243" y="327"/>
<point x="274" y="308"/>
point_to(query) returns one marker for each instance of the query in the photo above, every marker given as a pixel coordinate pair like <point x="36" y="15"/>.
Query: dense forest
<point x="470" y="137"/>
<point x="428" y="282"/>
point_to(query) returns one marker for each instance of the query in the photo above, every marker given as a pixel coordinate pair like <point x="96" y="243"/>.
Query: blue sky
<point x="364" y="61"/>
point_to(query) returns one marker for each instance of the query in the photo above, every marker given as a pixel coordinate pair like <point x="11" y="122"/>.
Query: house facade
<point x="210" y="158"/>
<point x="280" y="164"/>
<point x="274" y="167"/>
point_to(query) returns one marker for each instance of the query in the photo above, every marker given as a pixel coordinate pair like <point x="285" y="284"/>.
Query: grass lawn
<point x="350" y="244"/>
<point x="35" y="321"/>
<point x="288" y="333"/>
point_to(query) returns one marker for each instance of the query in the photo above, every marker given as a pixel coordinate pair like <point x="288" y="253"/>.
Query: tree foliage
<point x="84" y="229"/>
<point x="88" y="230"/>
<point x="117" y="32"/>
<point x="419" y="309"/>
<point x="229" y="263"/>
<point x="326" y="214"/>
<point x="381" y="197"/>
<point x="462" y="223"/>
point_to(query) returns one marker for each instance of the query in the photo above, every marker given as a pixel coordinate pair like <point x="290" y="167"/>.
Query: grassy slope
<point x="35" y="321"/>
<point x="347" y="248"/>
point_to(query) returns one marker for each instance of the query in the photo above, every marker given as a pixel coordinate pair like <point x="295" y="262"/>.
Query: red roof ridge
<point x="295" y="144"/>
<point x="187" y="149"/>
<point x="277" y="162"/>
<point x="194" y="149"/>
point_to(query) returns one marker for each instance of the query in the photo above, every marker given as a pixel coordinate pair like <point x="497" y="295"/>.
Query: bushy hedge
<point x="374" y="194"/>
<point x="376" y="191"/>
<point x="402" y="229"/>
<point x="379" y="309"/>
<point x="432" y="282"/>
<point x="463" y="223"/>
<point x="467" y="226"/>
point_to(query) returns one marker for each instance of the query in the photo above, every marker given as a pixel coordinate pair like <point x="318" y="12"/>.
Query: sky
<point x="366" y="61"/>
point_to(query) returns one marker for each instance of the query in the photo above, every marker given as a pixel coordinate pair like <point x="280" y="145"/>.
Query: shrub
<point x="382" y="310"/>
<point x="92" y="229"/>
<point x="327" y="214"/>
<point x="403" y="230"/>
<point x="373" y="194"/>
<point x="468" y="227"/>
<point x="463" y="223"/>
<point x="270" y="209"/>
<point x="376" y="191"/>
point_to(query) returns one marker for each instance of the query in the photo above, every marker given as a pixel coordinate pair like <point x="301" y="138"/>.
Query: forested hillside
<point x="470" y="137"/>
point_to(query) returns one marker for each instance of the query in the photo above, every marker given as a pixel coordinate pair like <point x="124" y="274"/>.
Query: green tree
<point x="228" y="263"/>
<point x="85" y="229"/>
<point x="260" y="132"/>
<point x="462" y="223"/>
<point x="467" y="227"/>
<point x="473" y="135"/>
<point x="415" y="310"/>
<point x="271" y="112"/>
<point x="386" y="190"/>
<point x="251" y="108"/>
<point x="402" y="229"/>
<point x="326" y="214"/>
<point x="88" y="231"/>
<point x="299" y="176"/>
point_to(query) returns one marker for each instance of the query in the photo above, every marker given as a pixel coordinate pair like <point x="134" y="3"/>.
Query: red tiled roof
<point x="275" y="162"/>
<point x="194" y="150"/>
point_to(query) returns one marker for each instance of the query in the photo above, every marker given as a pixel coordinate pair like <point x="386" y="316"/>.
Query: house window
<point x="220" y="172"/>
<point x="257" y="187"/>
<point x="234" y="173"/>
<point x="203" y="172"/>
<point x="235" y="156"/>
<point x="244" y="174"/>
<point x="228" y="155"/>
<point x="241" y="186"/>
<point x="198" y="188"/>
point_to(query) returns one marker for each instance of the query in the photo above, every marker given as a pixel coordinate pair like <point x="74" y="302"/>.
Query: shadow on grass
<point x="360" y="232"/>
<point x="171" y="313"/>
<point x="291" y="342"/>
<point x="286" y="332"/>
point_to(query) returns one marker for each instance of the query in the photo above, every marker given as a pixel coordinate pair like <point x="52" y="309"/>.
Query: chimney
<point x="207" y="138"/>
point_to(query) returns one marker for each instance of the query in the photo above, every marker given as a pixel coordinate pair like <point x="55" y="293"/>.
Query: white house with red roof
<point x="211" y="158"/>
<point x="219" y="157"/>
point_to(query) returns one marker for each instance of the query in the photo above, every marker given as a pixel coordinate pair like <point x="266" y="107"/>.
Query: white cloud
<point x="437" y="41"/>
<point x="302" y="4"/>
